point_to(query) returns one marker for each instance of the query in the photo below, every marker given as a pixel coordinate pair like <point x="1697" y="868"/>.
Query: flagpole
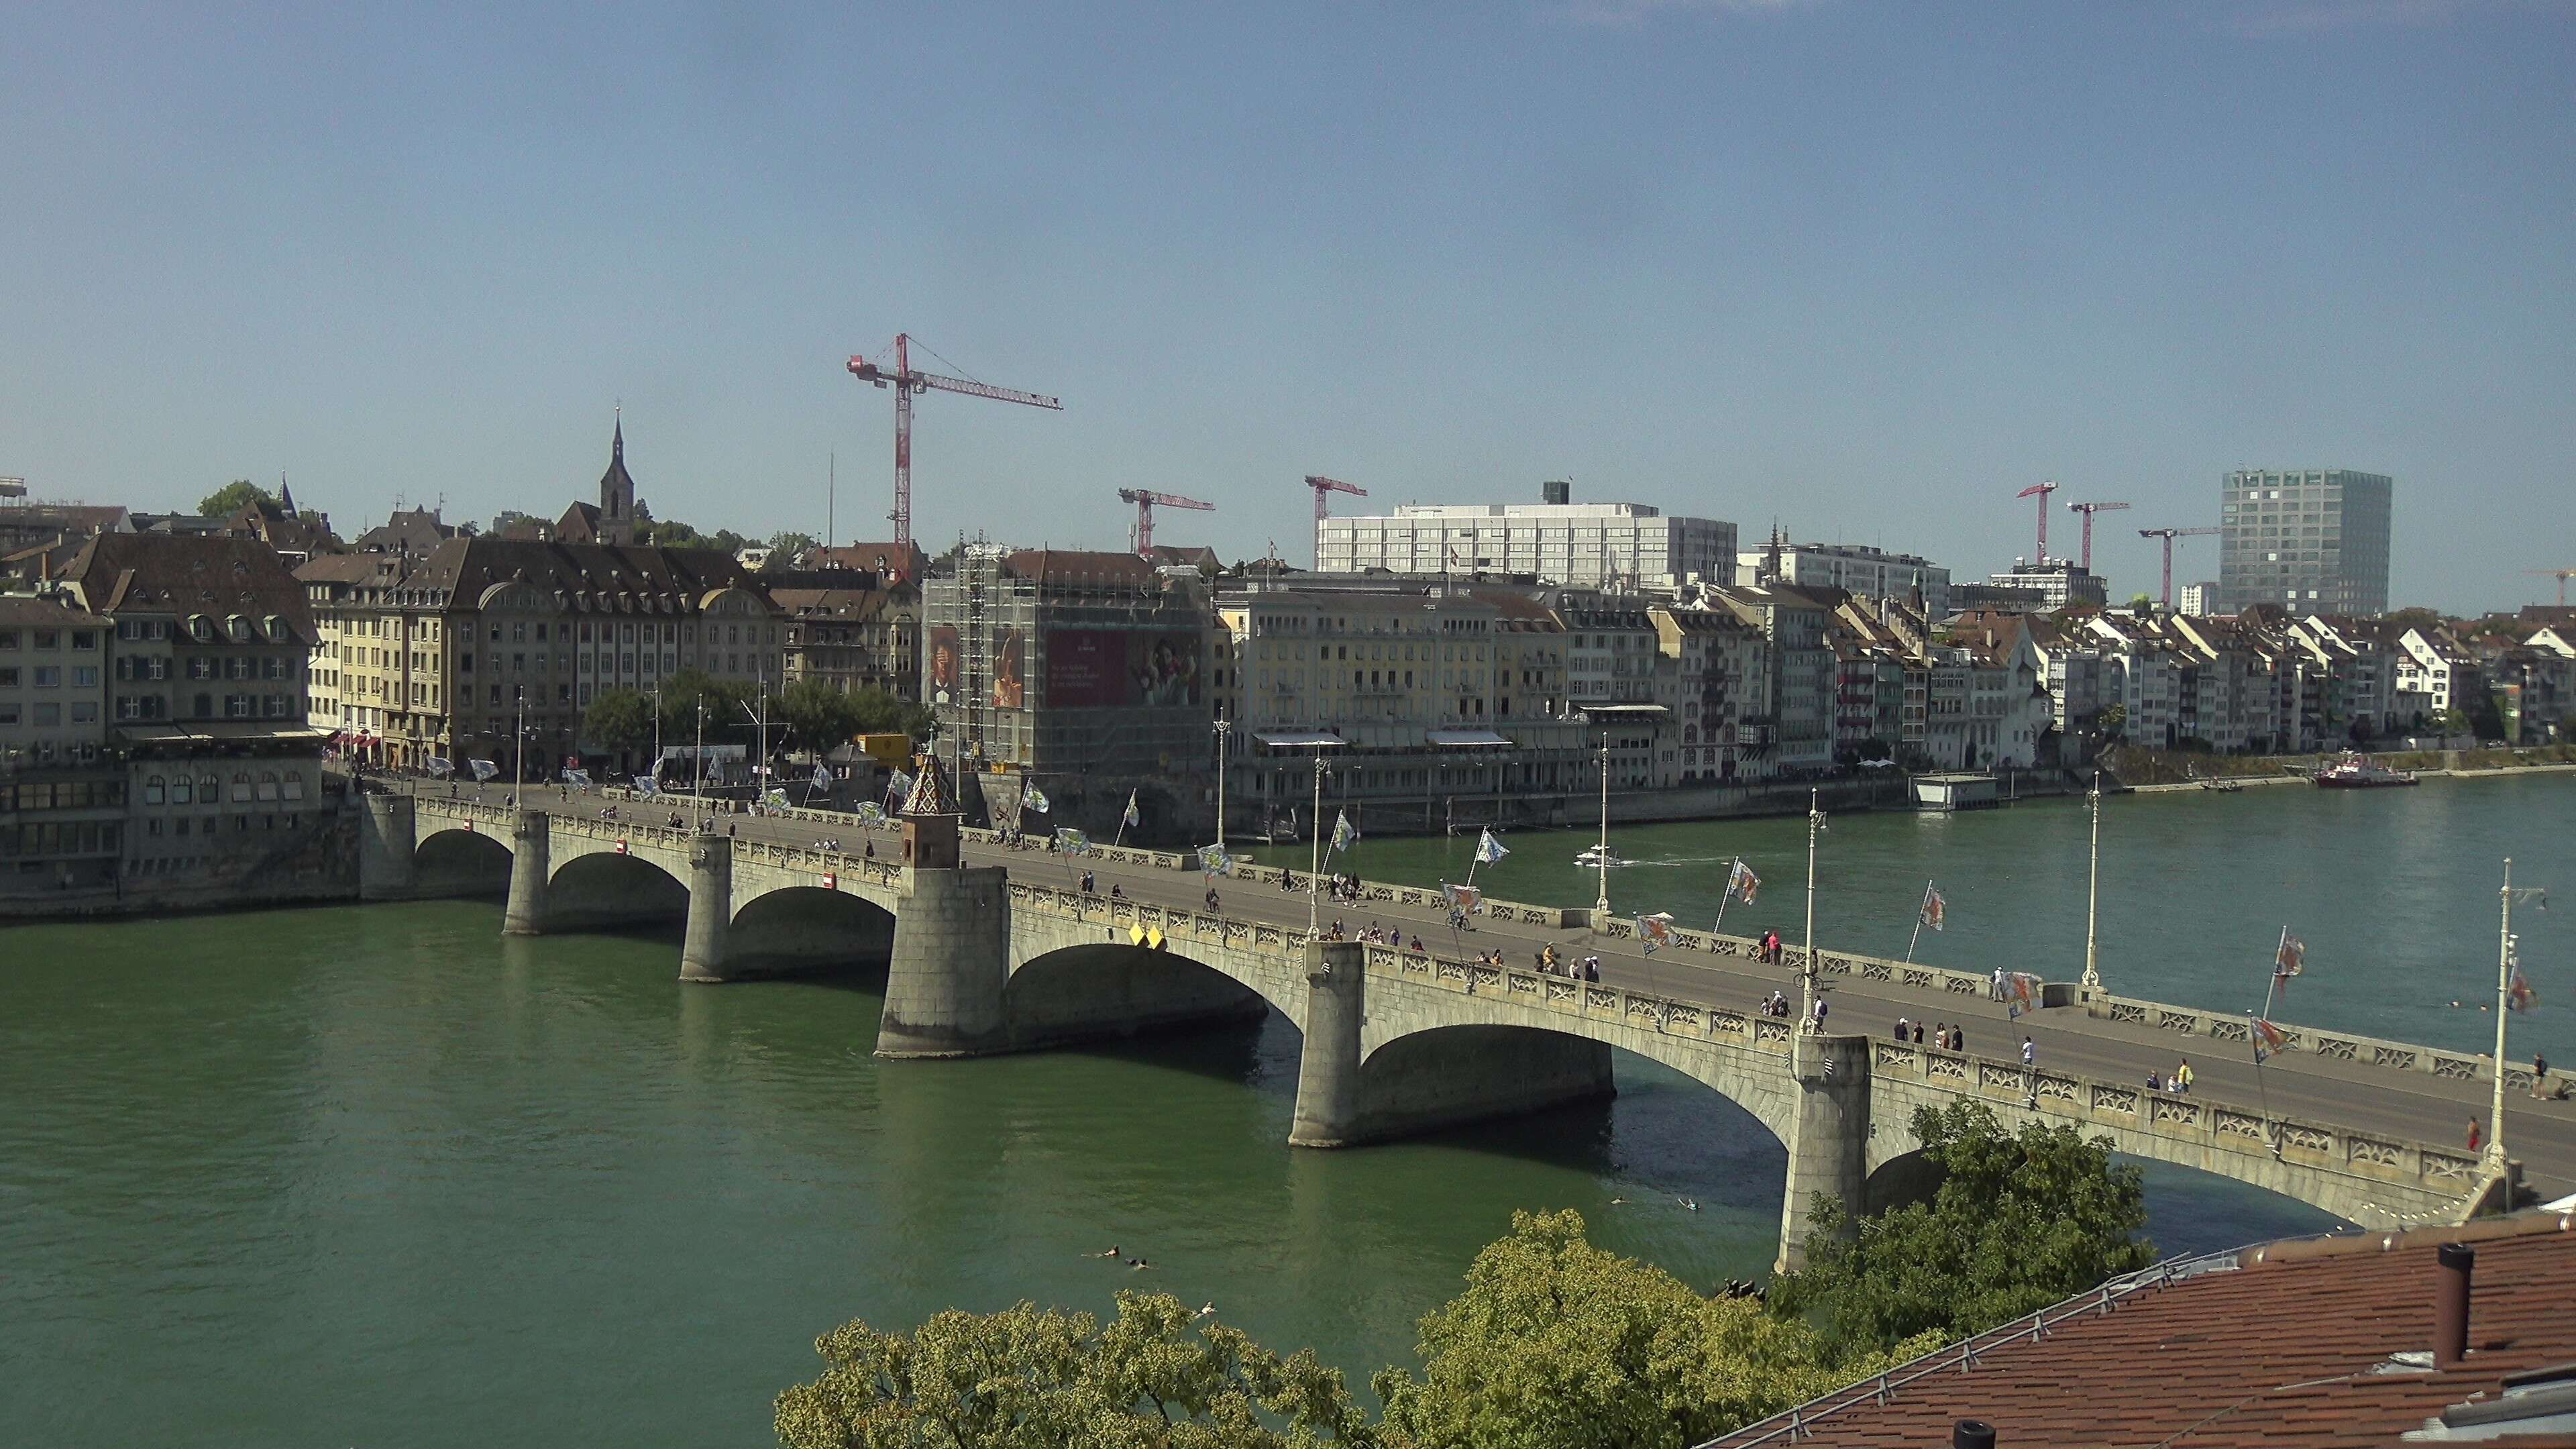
<point x="2504" y="976"/>
<point x="1726" y="895"/>
<point x="1919" y="908"/>
<point x="1807" y="972"/>
<point x="2093" y="893"/>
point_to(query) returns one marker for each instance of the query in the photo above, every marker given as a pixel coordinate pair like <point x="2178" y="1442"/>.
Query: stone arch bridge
<point x="1395" y="1042"/>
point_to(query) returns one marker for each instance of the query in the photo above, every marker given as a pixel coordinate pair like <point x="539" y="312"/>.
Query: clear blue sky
<point x="1865" y="266"/>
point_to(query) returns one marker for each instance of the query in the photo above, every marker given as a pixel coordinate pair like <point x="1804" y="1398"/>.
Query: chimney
<point x="1972" y="1434"/>
<point x="2453" y="1262"/>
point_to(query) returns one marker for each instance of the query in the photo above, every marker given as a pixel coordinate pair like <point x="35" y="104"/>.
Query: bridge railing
<point x="2432" y="1171"/>
<point x="2218" y="1026"/>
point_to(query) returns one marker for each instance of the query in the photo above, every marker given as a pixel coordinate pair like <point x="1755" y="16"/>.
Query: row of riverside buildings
<point x="170" y="686"/>
<point x="1460" y="665"/>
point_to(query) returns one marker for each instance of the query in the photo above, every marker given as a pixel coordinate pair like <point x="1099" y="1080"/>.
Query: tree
<point x="788" y="543"/>
<point x="2142" y="603"/>
<point x="618" y="719"/>
<point x="2018" y="1222"/>
<point x="819" y="717"/>
<point x="2113" y="719"/>
<point x="232" y="498"/>
<point x="729" y="704"/>
<point x="1556" y="1342"/>
<point x="1032" y="1376"/>
<point x="502" y="521"/>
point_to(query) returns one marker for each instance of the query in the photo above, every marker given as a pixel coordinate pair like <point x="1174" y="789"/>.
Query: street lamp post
<point x="1315" y="869"/>
<point x="2093" y="892"/>
<point x="518" y="744"/>
<point x="2504" y="1001"/>
<point x="1224" y="743"/>
<point x="1601" y="864"/>
<point x="1807" y="965"/>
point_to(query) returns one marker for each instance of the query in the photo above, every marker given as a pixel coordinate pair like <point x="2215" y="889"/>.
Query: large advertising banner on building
<point x="944" y="665"/>
<point x="1011" y="670"/>
<point x="1120" y="668"/>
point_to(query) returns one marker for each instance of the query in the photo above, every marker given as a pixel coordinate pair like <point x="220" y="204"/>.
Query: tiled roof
<point x="462" y="568"/>
<point x="25" y="610"/>
<point x="2285" y="1345"/>
<point x="182" y="574"/>
<point x="1080" y="566"/>
<point x="851" y="605"/>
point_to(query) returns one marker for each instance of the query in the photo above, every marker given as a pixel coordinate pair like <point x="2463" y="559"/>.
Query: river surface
<point x="2394" y="891"/>
<point x="377" y="1176"/>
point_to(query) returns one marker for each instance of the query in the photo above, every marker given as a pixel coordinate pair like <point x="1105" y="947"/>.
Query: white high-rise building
<point x="2195" y="599"/>
<point x="2310" y="541"/>
<point x="1588" y="545"/>
<point x="1852" y="567"/>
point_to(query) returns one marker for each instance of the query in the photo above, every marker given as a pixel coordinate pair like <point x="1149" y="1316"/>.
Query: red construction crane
<point x="2041" y="491"/>
<point x="1141" y="538"/>
<point x="2088" y="510"/>
<point x="1325" y="488"/>
<point x="2561" y="575"/>
<point x="2169" y="535"/>
<point x="905" y="382"/>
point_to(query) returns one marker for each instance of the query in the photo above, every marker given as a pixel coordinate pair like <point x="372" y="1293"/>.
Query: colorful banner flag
<point x="484" y="770"/>
<point x="2022" y="992"/>
<point x="871" y="813"/>
<point x="1072" y="841"/>
<point x="1934" y="908"/>
<point x="1213" y="861"/>
<point x="647" y="785"/>
<point x="822" y="776"/>
<point x="1133" y="816"/>
<point x="2518" y="995"/>
<point x="2293" y="957"/>
<point x="438" y="769"/>
<point x="1488" y="849"/>
<point x="1464" y="899"/>
<point x="1741" y="883"/>
<point x="1344" y="832"/>
<point x="776" y="800"/>
<point x="1656" y="931"/>
<point x="579" y="778"/>
<point x="2269" y="1041"/>
<point x="1035" y="799"/>
<point x="898" y="784"/>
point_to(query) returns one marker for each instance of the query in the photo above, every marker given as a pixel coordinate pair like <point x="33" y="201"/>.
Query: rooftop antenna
<point x="831" y="495"/>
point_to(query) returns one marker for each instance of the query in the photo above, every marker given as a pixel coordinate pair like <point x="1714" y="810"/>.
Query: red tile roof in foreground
<point x="2279" y="1348"/>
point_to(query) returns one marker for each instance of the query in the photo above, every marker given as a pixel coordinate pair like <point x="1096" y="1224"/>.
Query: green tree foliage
<point x="670" y="533"/>
<point x="618" y="719"/>
<point x="2111" y="721"/>
<point x="1556" y="1343"/>
<point x="728" y="703"/>
<point x="1032" y="1378"/>
<point x="2141" y="603"/>
<point x="2019" y="1222"/>
<point x="232" y="498"/>
<point x="788" y="543"/>
<point x="822" y="718"/>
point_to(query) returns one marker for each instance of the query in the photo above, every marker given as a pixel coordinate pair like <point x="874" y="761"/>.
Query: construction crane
<point x="2561" y="575"/>
<point x="1141" y="538"/>
<point x="2040" y="491"/>
<point x="905" y="382"/>
<point x="2088" y="510"/>
<point x="2169" y="535"/>
<point x="1325" y="488"/>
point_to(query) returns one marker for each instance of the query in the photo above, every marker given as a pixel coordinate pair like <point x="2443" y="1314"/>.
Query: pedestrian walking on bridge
<point x="2029" y="1053"/>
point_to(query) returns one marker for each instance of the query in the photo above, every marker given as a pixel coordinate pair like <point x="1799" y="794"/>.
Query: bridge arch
<point x="461" y="863"/>
<point x="803" y="928"/>
<point x="610" y="890"/>
<point x="1100" y="989"/>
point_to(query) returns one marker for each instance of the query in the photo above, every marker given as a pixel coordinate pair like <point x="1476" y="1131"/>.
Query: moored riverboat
<point x="2356" y="771"/>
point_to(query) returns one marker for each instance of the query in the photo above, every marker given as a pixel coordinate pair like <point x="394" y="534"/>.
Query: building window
<point x="179" y="794"/>
<point x="241" y="785"/>
<point x="295" y="784"/>
<point x="209" y="790"/>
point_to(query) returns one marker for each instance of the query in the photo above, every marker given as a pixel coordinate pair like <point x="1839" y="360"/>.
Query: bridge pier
<point x="703" y="954"/>
<point x="950" y="964"/>
<point x="1328" y="1065"/>
<point x="388" y="835"/>
<point x="1828" y="1137"/>
<point x="530" y="843"/>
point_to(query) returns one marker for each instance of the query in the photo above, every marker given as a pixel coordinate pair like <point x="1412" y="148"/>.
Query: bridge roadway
<point x="2409" y="1106"/>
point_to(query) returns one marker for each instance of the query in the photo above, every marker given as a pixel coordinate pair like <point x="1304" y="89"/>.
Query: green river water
<point x="376" y="1176"/>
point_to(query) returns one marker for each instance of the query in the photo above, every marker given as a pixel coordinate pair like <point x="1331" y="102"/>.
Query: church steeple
<point x="617" y="490"/>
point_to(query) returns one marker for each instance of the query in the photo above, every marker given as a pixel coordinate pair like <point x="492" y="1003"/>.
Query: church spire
<point x="617" y="438"/>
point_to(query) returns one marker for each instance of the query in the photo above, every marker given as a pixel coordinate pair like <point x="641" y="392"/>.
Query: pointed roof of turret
<point x="617" y="477"/>
<point x="928" y="796"/>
